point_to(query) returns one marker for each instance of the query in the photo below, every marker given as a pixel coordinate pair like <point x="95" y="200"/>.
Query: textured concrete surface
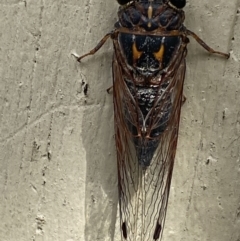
<point x="58" y="179"/>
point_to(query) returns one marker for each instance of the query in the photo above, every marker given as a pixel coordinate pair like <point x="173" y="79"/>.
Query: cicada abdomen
<point x="149" y="42"/>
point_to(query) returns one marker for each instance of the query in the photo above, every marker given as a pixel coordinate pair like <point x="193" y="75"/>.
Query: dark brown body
<point x="148" y="75"/>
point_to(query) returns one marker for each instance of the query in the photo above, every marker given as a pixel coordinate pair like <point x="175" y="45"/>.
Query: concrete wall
<point x="58" y="179"/>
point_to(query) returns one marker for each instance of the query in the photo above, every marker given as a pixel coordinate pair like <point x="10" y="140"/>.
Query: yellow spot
<point x="136" y="54"/>
<point x="159" y="55"/>
<point x="150" y="14"/>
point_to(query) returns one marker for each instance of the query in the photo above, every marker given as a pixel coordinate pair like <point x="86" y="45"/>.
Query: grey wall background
<point x="57" y="157"/>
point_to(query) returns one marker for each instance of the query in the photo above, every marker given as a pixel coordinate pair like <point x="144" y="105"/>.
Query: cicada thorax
<point x="147" y="57"/>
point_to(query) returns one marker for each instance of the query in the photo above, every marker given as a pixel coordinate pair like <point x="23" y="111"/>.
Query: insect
<point x="150" y="46"/>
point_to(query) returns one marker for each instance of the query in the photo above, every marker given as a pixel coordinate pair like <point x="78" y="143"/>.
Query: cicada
<point x="150" y="47"/>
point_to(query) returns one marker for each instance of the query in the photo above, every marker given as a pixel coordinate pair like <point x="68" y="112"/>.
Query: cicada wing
<point x="128" y="168"/>
<point x="144" y="191"/>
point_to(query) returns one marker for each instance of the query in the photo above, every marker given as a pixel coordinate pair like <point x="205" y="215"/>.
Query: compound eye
<point x="178" y="3"/>
<point x="123" y="2"/>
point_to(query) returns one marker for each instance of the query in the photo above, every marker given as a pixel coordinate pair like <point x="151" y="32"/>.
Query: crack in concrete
<point x="37" y="120"/>
<point x="87" y="12"/>
<point x="233" y="26"/>
<point x="49" y="153"/>
<point x="26" y="126"/>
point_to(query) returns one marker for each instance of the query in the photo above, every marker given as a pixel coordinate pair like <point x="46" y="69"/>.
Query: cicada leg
<point x="204" y="45"/>
<point x="94" y="50"/>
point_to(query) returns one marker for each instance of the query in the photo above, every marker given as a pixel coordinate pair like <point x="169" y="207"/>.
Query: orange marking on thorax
<point x="136" y="54"/>
<point x="159" y="55"/>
